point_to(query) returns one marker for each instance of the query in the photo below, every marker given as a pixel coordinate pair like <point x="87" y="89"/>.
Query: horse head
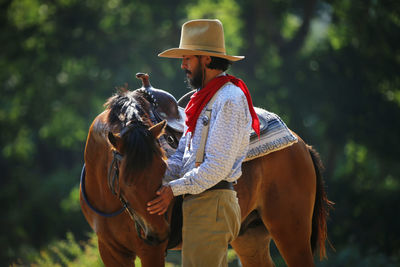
<point x="139" y="162"/>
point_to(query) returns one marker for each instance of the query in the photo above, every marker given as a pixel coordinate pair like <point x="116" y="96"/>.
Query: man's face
<point x="193" y="69"/>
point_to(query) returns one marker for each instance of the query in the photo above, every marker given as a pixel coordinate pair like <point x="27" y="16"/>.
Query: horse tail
<point x="322" y="205"/>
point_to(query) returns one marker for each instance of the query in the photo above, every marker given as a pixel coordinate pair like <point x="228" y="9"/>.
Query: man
<point x="211" y="213"/>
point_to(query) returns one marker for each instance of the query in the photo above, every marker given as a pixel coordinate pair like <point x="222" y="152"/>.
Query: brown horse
<point x="281" y="195"/>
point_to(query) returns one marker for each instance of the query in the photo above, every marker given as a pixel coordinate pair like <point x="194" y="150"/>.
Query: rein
<point x="108" y="215"/>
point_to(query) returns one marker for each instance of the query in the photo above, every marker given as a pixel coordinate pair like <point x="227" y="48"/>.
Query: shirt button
<point x="205" y="120"/>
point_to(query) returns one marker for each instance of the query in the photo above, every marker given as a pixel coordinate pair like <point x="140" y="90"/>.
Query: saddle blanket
<point x="274" y="135"/>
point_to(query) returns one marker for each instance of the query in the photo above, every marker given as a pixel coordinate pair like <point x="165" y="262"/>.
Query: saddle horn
<point x="145" y="79"/>
<point x="164" y="105"/>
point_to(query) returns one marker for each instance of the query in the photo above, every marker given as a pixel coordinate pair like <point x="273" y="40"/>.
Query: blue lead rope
<point x="83" y="174"/>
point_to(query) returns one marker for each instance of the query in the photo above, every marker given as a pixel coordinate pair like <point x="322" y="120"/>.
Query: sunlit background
<point x="329" y="68"/>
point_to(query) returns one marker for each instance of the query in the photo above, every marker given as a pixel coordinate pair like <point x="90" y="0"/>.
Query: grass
<point x="72" y="253"/>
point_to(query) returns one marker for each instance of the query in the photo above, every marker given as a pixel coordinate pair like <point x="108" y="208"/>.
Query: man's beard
<point x="196" y="81"/>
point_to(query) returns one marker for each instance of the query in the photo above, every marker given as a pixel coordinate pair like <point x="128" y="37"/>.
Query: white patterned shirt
<point x="226" y="146"/>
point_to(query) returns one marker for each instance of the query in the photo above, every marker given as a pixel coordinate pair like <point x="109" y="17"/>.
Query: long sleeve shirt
<point x="225" y="150"/>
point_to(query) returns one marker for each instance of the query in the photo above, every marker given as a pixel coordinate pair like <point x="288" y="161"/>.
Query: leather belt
<point x="221" y="185"/>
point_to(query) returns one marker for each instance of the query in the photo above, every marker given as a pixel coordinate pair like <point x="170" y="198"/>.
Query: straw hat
<point x="201" y="37"/>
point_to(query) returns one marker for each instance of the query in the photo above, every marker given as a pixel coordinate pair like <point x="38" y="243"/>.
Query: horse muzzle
<point x="145" y="232"/>
<point x="151" y="238"/>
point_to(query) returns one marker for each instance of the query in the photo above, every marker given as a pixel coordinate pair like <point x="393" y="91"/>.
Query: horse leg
<point x="152" y="256"/>
<point x="288" y="219"/>
<point x="294" y="245"/>
<point x="290" y="228"/>
<point x="153" y="260"/>
<point x="112" y="257"/>
<point x="252" y="247"/>
<point x="287" y="206"/>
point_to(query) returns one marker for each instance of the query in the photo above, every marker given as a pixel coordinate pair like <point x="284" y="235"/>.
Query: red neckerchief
<point x="200" y="99"/>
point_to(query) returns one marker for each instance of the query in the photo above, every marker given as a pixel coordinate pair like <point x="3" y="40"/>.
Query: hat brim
<point x="180" y="52"/>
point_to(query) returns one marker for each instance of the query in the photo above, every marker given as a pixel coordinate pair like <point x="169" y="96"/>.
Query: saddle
<point x="164" y="107"/>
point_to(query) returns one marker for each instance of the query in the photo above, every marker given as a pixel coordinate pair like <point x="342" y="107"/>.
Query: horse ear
<point x="158" y="129"/>
<point x="114" y="139"/>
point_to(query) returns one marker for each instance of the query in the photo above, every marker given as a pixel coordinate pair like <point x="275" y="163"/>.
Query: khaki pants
<point x="210" y="221"/>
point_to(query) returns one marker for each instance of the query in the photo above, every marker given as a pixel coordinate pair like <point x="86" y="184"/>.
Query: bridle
<point x="113" y="184"/>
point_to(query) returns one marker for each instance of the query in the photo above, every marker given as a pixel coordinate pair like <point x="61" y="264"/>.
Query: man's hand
<point x="160" y="204"/>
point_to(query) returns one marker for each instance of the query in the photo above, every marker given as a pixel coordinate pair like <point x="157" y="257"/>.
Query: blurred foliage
<point x="329" y="68"/>
<point x="70" y="252"/>
<point x="352" y="257"/>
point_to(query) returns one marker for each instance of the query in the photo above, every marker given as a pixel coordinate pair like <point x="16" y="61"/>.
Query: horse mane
<point x="125" y="107"/>
<point x="129" y="116"/>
